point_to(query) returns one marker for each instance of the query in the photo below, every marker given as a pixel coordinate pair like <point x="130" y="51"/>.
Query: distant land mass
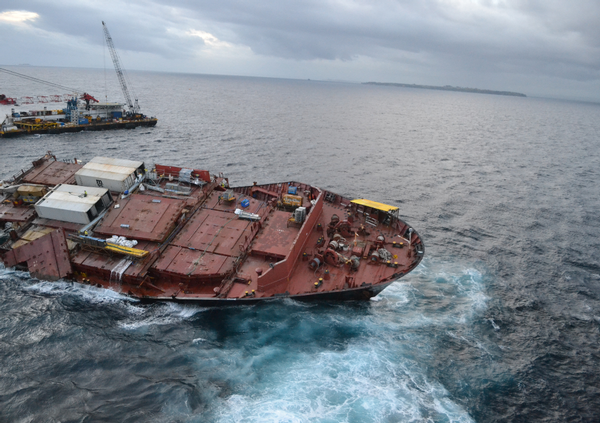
<point x="447" y="88"/>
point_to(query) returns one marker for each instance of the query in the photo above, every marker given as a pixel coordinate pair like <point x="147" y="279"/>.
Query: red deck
<point x="52" y="173"/>
<point x="147" y="220"/>
<point x="213" y="231"/>
<point x="256" y="206"/>
<point x="275" y="240"/>
<point x="183" y="263"/>
<point x="215" y="255"/>
<point x="11" y="213"/>
<point x="104" y="263"/>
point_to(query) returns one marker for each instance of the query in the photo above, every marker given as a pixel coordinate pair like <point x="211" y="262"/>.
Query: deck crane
<point x="133" y="108"/>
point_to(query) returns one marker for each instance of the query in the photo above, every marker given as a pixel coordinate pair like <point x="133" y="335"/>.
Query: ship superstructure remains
<point x="170" y="233"/>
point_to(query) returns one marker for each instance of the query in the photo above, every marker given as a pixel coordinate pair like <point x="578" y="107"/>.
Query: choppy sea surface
<point x="500" y="322"/>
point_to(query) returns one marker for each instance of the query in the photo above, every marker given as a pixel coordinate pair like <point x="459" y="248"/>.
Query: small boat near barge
<point x="182" y="234"/>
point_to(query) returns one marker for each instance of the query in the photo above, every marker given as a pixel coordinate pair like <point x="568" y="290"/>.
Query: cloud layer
<point x="541" y="47"/>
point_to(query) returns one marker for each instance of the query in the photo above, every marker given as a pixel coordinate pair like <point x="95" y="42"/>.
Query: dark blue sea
<point x="500" y="322"/>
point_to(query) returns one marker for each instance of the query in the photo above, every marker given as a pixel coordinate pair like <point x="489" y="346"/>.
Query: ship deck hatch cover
<point x="53" y="173"/>
<point x="138" y="217"/>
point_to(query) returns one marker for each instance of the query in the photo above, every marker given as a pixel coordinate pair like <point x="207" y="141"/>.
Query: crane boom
<point x="40" y="81"/>
<point x="115" y="58"/>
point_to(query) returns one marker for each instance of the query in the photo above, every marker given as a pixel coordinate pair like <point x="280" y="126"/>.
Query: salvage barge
<point x="94" y="117"/>
<point x="181" y="234"/>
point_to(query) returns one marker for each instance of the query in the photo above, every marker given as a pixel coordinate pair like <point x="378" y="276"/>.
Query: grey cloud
<point x="138" y="27"/>
<point x="495" y="40"/>
<point x="522" y="33"/>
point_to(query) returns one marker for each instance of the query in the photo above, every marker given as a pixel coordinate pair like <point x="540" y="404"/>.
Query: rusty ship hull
<point x="193" y="238"/>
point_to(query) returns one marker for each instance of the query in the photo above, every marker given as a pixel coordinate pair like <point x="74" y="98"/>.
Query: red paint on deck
<point x="214" y="232"/>
<point x="12" y="213"/>
<point x="103" y="262"/>
<point x="52" y="173"/>
<point x="147" y="220"/>
<point x="276" y="238"/>
<point x="183" y="264"/>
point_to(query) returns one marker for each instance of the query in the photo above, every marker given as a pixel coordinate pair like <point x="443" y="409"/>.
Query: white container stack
<point x="117" y="175"/>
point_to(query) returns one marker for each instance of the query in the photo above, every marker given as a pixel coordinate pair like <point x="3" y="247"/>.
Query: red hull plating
<point x="192" y="246"/>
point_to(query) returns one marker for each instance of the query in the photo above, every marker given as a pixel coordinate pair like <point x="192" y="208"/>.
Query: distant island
<point x="447" y="88"/>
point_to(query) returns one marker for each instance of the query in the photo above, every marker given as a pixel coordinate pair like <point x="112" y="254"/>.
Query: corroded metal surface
<point x="142" y="217"/>
<point x="86" y="260"/>
<point x="214" y="232"/>
<point x="53" y="173"/>
<point x="275" y="239"/>
<point x="11" y="213"/>
<point x="185" y="262"/>
<point x="46" y="257"/>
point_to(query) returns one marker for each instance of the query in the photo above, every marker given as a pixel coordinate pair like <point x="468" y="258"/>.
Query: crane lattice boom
<point x="119" y="70"/>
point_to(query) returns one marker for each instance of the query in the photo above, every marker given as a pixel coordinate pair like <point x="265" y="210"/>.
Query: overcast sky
<point x="548" y="48"/>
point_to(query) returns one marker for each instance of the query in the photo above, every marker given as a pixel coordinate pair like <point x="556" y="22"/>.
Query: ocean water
<point x="500" y="322"/>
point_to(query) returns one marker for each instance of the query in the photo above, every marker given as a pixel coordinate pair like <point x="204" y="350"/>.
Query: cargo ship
<point x="160" y="232"/>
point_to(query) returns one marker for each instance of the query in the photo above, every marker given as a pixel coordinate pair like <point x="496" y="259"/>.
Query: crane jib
<point x="119" y="70"/>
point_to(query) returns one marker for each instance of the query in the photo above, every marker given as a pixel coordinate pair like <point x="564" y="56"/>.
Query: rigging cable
<point x="40" y="81"/>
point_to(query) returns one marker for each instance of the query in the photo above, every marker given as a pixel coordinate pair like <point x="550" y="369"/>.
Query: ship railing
<point x="370" y="221"/>
<point x="17" y="176"/>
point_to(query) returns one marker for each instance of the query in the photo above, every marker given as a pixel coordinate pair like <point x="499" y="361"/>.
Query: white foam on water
<point x="87" y="293"/>
<point x="438" y="292"/>
<point x="494" y="324"/>
<point x="161" y="314"/>
<point x="12" y="273"/>
<point x="381" y="375"/>
<point x="365" y="382"/>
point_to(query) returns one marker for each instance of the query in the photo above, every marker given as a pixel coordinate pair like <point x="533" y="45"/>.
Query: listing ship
<point x="162" y="232"/>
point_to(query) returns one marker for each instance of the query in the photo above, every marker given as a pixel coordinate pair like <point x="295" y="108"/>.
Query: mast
<point x="115" y="58"/>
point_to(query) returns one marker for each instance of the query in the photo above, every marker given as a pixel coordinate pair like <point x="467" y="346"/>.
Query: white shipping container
<point x="117" y="175"/>
<point x="118" y="162"/>
<point x="73" y="203"/>
<point x="116" y="182"/>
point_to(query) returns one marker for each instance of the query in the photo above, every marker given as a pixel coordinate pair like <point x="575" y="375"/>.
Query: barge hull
<point x="103" y="126"/>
